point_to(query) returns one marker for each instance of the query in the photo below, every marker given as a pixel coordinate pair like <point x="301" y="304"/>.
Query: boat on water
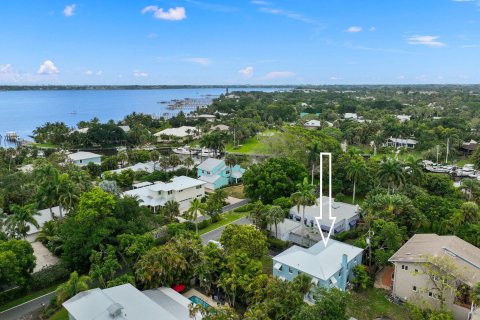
<point x="207" y="152"/>
<point x="185" y="150"/>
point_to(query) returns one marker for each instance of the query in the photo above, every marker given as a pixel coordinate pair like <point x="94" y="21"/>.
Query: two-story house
<point x="180" y="189"/>
<point x="415" y="282"/>
<point x="329" y="266"/>
<point x="217" y="174"/>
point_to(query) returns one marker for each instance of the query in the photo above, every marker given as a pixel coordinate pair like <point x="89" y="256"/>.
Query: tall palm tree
<point x="275" y="215"/>
<point x="17" y="222"/>
<point x="174" y="160"/>
<point x="47" y="180"/>
<point x="230" y="161"/>
<point x="164" y="163"/>
<point x="391" y="173"/>
<point x="413" y="169"/>
<point x="74" y="285"/>
<point x="188" y="162"/>
<point x="154" y="157"/>
<point x="48" y="232"/>
<point x="68" y="193"/>
<point x="305" y="196"/>
<point x="356" y="169"/>
<point x="196" y="207"/>
<point x="313" y="155"/>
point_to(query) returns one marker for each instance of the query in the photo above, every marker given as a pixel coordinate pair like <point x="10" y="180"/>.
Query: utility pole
<point x="370" y="234"/>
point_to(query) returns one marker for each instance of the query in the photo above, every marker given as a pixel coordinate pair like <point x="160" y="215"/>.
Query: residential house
<point x="413" y="283"/>
<point x="350" y="116"/>
<point x="467" y="148"/>
<point x="346" y="215"/>
<point x="183" y="132"/>
<point x="125" y="129"/>
<point x="127" y="302"/>
<point x="220" y="127"/>
<point x="208" y="117"/>
<point x="216" y="173"/>
<point x="83" y="158"/>
<point x="312" y="124"/>
<point x="180" y="189"/>
<point x="403" y="117"/>
<point x="329" y="266"/>
<point x="401" y="143"/>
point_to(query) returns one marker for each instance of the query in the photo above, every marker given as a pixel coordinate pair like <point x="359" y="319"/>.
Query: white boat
<point x="185" y="150"/>
<point x="467" y="170"/>
<point x="207" y="152"/>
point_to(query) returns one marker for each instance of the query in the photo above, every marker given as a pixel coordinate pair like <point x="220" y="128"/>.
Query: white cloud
<point x="246" y="72"/>
<point x="88" y="72"/>
<point x="279" y="75"/>
<point x="5" y="68"/>
<point x="200" y="61"/>
<point x="470" y="46"/>
<point x="69" y="10"/>
<point x="173" y="14"/>
<point x="430" y="41"/>
<point x="372" y="29"/>
<point x="354" y="29"/>
<point x="48" y="67"/>
<point x="140" y="74"/>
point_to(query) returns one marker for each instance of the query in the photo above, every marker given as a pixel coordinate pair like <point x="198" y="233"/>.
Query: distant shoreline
<point x="134" y="87"/>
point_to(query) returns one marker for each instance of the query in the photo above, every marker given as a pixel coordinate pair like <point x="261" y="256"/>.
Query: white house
<point x="181" y="132"/>
<point x="127" y="302"/>
<point x="401" y="143"/>
<point x="180" y="189"/>
<point x="350" y="116"/>
<point x="83" y="158"/>
<point x="313" y="124"/>
<point x="403" y="117"/>
<point x="125" y="129"/>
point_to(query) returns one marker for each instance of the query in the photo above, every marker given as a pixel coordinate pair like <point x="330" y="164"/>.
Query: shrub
<point x="245" y="208"/>
<point x="48" y="276"/>
<point x="277" y="244"/>
<point x="205" y="223"/>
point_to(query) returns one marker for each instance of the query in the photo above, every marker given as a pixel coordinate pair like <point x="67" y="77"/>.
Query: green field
<point x="254" y="145"/>
<point x="372" y="304"/>
<point x="60" y="315"/>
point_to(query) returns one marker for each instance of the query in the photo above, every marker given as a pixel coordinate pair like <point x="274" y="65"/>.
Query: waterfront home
<point x="312" y="124"/>
<point x="141" y="166"/>
<point x="413" y="283"/>
<point x="180" y="189"/>
<point x="220" y="127"/>
<point x="183" y="132"/>
<point x="127" y="302"/>
<point x="329" y="266"/>
<point x="401" y="143"/>
<point x="83" y="158"/>
<point x="217" y="174"/>
<point x="350" y="116"/>
<point x="208" y="117"/>
<point x="346" y="215"/>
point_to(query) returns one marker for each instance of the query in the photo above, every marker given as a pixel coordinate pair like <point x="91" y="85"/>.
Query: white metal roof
<point x="133" y="304"/>
<point x="313" y="123"/>
<point x="340" y="210"/>
<point x="177" y="132"/>
<point x="210" y="163"/>
<point x="83" y="155"/>
<point x="318" y="261"/>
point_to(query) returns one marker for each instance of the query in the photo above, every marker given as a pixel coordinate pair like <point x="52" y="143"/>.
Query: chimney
<point x="343" y="278"/>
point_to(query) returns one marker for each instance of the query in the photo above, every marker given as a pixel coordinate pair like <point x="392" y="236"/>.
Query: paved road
<point x="215" y="234"/>
<point x="24" y="310"/>
<point x="234" y="206"/>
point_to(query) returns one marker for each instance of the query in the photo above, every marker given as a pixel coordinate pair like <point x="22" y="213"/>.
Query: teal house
<point x="217" y="174"/>
<point x="329" y="266"/>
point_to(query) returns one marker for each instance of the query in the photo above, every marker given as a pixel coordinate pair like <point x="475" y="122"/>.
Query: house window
<point x="170" y="192"/>
<point x="227" y="172"/>
<point x="404" y="267"/>
<point x="180" y="190"/>
<point x="414" y="288"/>
<point x="198" y="187"/>
<point x="281" y="268"/>
<point x="290" y="270"/>
<point x="81" y="161"/>
<point x="416" y="270"/>
<point x="340" y="273"/>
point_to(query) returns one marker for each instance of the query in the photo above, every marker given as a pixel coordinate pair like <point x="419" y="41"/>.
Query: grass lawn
<point x="45" y="145"/>
<point x="359" y="198"/>
<point x="28" y="297"/>
<point x="60" y="315"/>
<point x="372" y="303"/>
<point x="235" y="191"/>
<point x="226" y="218"/>
<point x="254" y="145"/>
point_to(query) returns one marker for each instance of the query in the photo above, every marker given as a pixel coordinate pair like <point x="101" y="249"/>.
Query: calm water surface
<point x="23" y="111"/>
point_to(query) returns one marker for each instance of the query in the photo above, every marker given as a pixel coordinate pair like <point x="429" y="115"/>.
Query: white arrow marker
<point x="320" y="218"/>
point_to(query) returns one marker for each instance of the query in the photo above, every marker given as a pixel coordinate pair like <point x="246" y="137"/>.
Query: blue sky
<point x="239" y="42"/>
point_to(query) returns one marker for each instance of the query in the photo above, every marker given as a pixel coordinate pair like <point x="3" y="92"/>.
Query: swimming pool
<point x="199" y="301"/>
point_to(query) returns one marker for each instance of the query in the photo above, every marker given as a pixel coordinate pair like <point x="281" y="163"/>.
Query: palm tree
<point x="17" y="222"/>
<point x="475" y="296"/>
<point x="188" y="162"/>
<point x="413" y="169"/>
<point x="391" y="173"/>
<point x="48" y="231"/>
<point x="356" y="169"/>
<point x="123" y="158"/>
<point x="74" y="285"/>
<point x="164" y="163"/>
<point x="196" y="207"/>
<point x="471" y="187"/>
<point x="275" y="215"/>
<point x="68" y="193"/>
<point x="174" y="160"/>
<point x="256" y="215"/>
<point x="305" y="196"/>
<point x="154" y="157"/>
<point x="47" y="181"/>
<point x="313" y="155"/>
<point x="230" y="161"/>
